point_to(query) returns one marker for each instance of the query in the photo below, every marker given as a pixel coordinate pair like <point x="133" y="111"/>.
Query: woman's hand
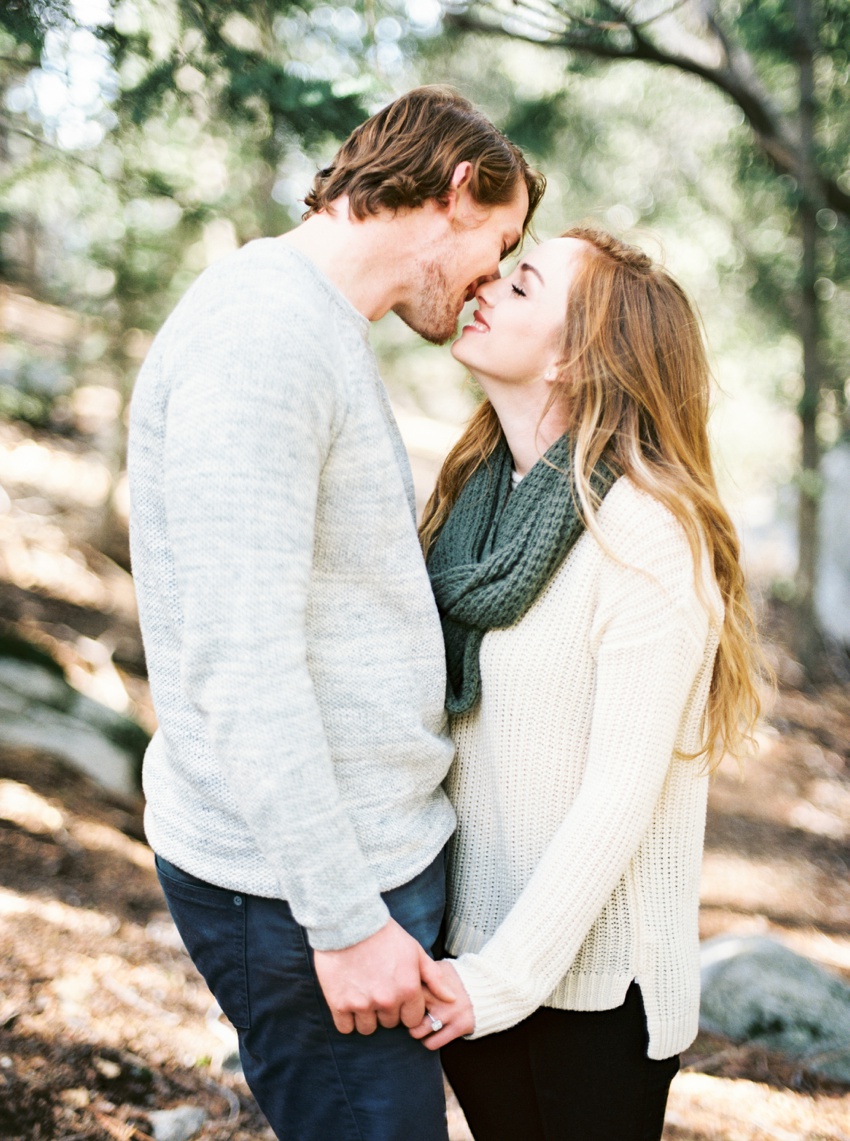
<point x="457" y="1017"/>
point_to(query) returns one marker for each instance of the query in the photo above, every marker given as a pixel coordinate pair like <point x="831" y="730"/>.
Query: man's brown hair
<point x="407" y="153"/>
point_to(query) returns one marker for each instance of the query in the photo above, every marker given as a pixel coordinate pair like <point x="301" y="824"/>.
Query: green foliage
<point x="214" y="115"/>
<point x="28" y="21"/>
<point x="34" y="384"/>
<point x="200" y="110"/>
<point x="534" y="124"/>
<point x="765" y="27"/>
<point x="250" y="74"/>
<point x="146" y="98"/>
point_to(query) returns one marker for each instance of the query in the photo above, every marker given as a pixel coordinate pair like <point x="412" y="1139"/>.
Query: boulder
<point x="40" y="710"/>
<point x="178" y="1124"/>
<point x="755" y="989"/>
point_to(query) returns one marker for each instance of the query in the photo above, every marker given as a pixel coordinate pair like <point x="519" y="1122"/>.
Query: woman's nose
<point x="485" y="293"/>
<point x="481" y="282"/>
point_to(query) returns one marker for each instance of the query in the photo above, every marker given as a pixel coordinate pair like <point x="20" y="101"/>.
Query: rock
<point x="177" y="1124"/>
<point x="120" y="730"/>
<point x="35" y="683"/>
<point x="40" y="710"/>
<point x="832" y="596"/>
<point x="39" y="727"/>
<point x="231" y="1063"/>
<point x="755" y="989"/>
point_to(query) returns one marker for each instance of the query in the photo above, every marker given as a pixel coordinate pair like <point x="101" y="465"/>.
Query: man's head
<point x="431" y="151"/>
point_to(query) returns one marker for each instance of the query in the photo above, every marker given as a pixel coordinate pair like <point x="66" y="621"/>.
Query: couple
<point x="590" y="639"/>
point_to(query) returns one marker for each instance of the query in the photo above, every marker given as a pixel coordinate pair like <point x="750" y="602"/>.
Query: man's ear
<point x="458" y="187"/>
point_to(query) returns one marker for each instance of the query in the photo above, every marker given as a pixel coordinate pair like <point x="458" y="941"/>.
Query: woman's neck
<point x="520" y="410"/>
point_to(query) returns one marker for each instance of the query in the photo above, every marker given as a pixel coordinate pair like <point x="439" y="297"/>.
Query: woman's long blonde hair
<point x="634" y="382"/>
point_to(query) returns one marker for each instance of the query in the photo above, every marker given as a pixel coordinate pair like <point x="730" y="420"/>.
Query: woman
<point x="600" y="653"/>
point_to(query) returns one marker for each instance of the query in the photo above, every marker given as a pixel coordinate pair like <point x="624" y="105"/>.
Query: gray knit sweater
<point x="293" y="645"/>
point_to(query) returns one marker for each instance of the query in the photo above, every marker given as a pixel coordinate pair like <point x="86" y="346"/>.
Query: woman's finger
<point x="441" y="1038"/>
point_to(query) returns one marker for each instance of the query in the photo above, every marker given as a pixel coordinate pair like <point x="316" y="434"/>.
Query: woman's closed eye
<point x="518" y="290"/>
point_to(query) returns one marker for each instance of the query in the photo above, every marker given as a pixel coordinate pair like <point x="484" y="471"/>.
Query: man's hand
<point x="457" y="1017"/>
<point x="379" y="981"/>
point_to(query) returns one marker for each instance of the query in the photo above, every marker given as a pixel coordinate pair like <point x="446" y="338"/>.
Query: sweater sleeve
<point x="254" y="407"/>
<point x="649" y="641"/>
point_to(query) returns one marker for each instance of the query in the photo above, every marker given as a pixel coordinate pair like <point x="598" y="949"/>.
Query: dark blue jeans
<point x="311" y="1082"/>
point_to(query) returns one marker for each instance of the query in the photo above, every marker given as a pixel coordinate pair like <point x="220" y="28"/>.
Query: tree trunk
<point x="806" y="634"/>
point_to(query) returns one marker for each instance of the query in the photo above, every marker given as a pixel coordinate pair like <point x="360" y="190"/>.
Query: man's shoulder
<point x="268" y="277"/>
<point x="255" y="309"/>
<point x="265" y="288"/>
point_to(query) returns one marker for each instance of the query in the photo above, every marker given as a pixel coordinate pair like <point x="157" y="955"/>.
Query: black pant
<point x="564" y="1075"/>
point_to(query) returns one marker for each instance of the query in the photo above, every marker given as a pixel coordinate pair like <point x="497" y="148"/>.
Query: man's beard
<point x="433" y="314"/>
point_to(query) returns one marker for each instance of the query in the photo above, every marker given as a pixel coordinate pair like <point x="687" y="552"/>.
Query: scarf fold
<point x="498" y="549"/>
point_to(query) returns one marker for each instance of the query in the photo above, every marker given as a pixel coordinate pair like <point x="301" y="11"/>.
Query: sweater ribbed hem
<point x="669" y="1036"/>
<point x="577" y="991"/>
<point x="461" y="939"/>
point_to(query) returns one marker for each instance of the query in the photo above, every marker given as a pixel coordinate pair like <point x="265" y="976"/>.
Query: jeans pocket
<point x="212" y="924"/>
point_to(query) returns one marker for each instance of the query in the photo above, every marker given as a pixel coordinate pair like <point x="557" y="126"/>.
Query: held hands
<point x="456" y="1016"/>
<point x="380" y="981"/>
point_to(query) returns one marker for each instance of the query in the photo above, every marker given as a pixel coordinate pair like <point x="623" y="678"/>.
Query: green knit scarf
<point x="497" y="551"/>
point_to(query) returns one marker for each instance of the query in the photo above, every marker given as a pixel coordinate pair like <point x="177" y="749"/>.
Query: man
<point x="293" y="645"/>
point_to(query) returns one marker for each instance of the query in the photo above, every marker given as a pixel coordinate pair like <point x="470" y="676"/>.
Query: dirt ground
<point x="102" y="1016"/>
<point x="776" y="863"/>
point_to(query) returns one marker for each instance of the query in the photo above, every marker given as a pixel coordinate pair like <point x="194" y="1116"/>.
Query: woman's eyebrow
<point x="531" y="269"/>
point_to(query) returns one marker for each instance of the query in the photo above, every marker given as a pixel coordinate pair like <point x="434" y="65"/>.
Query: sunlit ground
<point x="704" y="1108"/>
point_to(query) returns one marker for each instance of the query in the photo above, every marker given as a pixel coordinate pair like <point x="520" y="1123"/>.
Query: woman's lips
<point x="478" y="325"/>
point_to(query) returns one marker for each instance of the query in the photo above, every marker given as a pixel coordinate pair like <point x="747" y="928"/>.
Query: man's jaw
<point x="430" y="331"/>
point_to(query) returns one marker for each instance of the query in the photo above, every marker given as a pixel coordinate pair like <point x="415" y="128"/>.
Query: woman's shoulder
<point x="630" y="515"/>
<point x="644" y="537"/>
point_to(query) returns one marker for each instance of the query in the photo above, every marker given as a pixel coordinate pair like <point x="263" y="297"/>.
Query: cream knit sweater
<point x="575" y="867"/>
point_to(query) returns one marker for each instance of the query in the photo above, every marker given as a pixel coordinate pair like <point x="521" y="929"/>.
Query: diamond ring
<point x="436" y="1024"/>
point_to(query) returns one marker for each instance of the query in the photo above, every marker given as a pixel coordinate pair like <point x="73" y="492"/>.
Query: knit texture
<point x="575" y="867"/>
<point x="292" y="641"/>
<point x="497" y="550"/>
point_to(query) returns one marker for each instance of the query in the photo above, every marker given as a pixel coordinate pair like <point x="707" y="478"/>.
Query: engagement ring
<point x="436" y="1024"/>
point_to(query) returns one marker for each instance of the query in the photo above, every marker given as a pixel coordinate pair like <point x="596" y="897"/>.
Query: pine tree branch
<point x="736" y="78"/>
<point x="8" y="125"/>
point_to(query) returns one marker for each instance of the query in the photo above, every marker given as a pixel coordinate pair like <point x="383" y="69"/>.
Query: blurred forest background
<point x="142" y="139"/>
